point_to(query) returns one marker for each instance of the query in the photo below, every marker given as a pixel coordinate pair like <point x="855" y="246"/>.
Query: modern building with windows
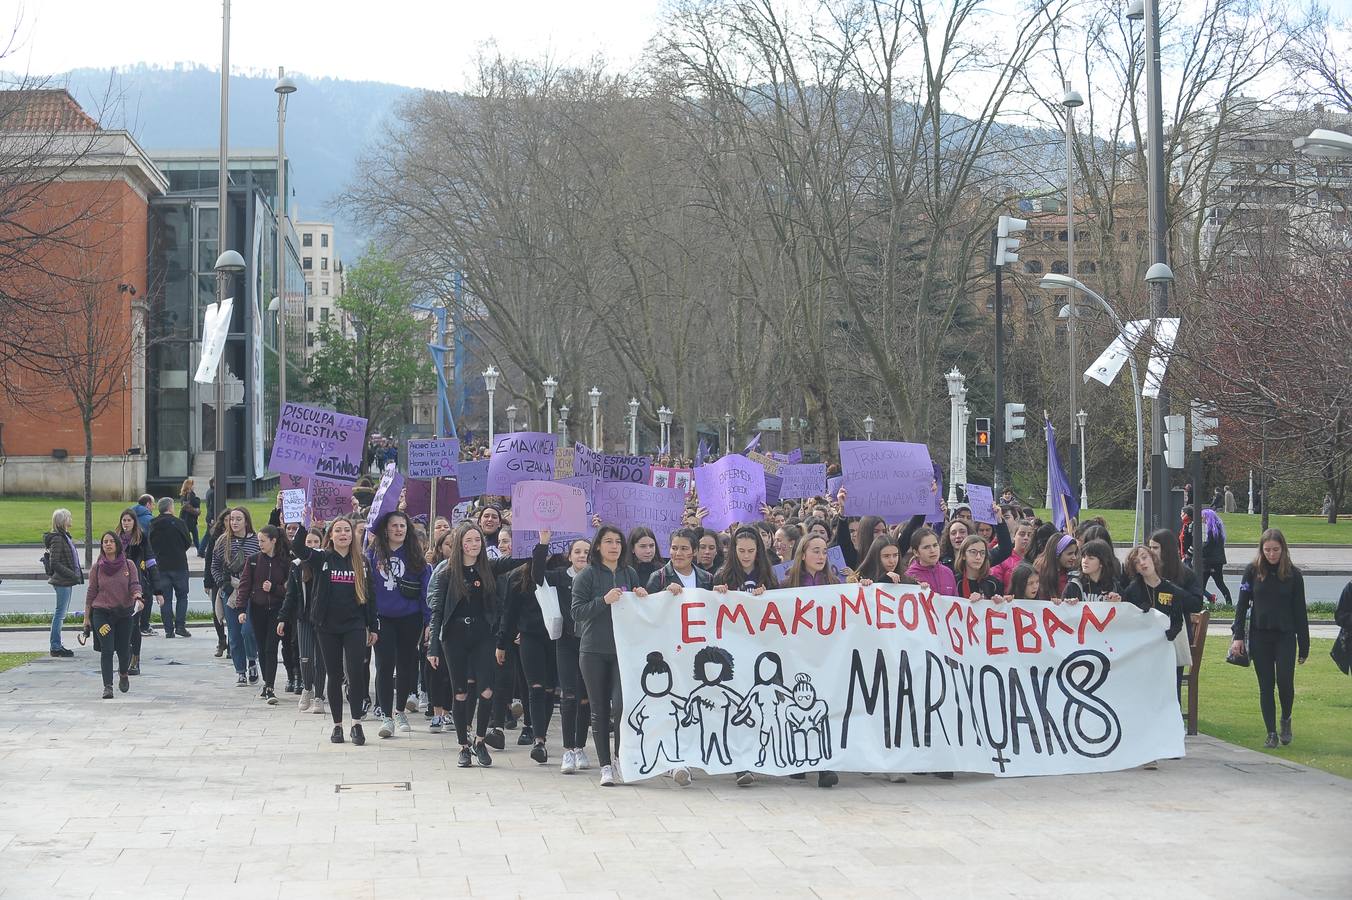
<point x="184" y="244"/>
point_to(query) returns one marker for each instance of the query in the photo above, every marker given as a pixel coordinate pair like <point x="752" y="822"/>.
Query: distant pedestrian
<point x="112" y="604"/>
<point x="1327" y="509"/>
<point x="1271" y="613"/>
<point x="203" y="547"/>
<point x="64" y="566"/>
<point x="1229" y="499"/>
<point x="1218" y="499"/>
<point x="190" y="509"/>
<point x="170" y="540"/>
<point x="262" y="588"/>
<point x="231" y="551"/>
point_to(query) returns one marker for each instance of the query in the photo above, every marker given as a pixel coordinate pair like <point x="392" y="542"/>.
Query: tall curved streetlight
<point x="727" y="433"/>
<point x="228" y="265"/>
<point x="550" y="384"/>
<point x="511" y="418"/>
<point x="563" y="421"/>
<point x="594" y="395"/>
<point x="1066" y="282"/>
<point x="868" y="428"/>
<point x="633" y="426"/>
<point x="285" y="87"/>
<point x="491" y="385"/>
<point x="664" y="417"/>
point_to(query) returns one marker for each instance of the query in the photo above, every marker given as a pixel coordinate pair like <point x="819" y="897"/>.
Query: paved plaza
<point x="189" y="787"/>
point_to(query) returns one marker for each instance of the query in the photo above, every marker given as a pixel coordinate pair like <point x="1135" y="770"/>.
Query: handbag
<point x="1342" y="651"/>
<point x="409" y="589"/>
<point x="1241" y="659"/>
<point x="548" y="597"/>
<point x="1182" y="648"/>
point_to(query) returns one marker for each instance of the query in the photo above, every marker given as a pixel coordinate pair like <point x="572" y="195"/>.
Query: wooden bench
<point x="1200" y="621"/>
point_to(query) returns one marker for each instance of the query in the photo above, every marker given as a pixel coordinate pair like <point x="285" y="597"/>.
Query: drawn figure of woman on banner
<point x="713" y="703"/>
<point x="763" y="709"/>
<point x="655" y="718"/>
<point x="809" y="723"/>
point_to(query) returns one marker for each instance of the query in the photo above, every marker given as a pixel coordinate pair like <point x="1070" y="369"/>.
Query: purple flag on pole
<point x="1065" y="504"/>
<point x="753" y="444"/>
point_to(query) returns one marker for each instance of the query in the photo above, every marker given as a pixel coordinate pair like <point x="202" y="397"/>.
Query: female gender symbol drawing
<point x="713" y="703"/>
<point x="763" y="709"/>
<point x="655" y="716"/>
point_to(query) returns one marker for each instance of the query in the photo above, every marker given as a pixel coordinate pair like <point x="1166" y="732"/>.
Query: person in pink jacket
<point x="112" y="603"/>
<point x="925" y="566"/>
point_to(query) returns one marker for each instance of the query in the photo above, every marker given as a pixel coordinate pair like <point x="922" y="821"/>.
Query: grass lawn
<point x="24" y="519"/>
<point x="1239" y="527"/>
<point x="1229" y="708"/>
<point x="13" y="660"/>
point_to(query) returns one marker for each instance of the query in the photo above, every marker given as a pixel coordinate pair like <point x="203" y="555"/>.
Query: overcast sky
<point x="419" y="43"/>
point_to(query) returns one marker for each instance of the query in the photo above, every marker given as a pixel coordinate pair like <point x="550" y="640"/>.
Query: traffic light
<point x="1013" y="421"/>
<point x="1006" y="245"/>
<point x="1203" y="426"/>
<point x="1174" y="444"/>
<point x="983" y="437"/>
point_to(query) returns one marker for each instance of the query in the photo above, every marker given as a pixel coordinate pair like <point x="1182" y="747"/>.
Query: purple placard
<point x="980" y="498"/>
<point x="519" y="456"/>
<point x="774" y="486"/>
<point x="472" y="478"/>
<point x="886" y="478"/>
<point x="833" y="486"/>
<point x="418" y="498"/>
<point x="732" y="489"/>
<point x="433" y="458"/>
<point x="611" y="466"/>
<point x="802" y="480"/>
<point x="549" y="506"/>
<point x="795" y="455"/>
<point x="626" y="505"/>
<point x="288" y="482"/>
<point x="524" y="540"/>
<point x="315" y="441"/>
<point x="329" y="500"/>
<point x="387" y="495"/>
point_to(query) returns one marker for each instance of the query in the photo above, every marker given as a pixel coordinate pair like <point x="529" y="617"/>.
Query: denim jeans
<point x="173" y="614"/>
<point x="243" y="647"/>
<point x="62" y="604"/>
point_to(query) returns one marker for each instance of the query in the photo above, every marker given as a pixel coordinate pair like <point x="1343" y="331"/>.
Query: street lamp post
<point x="727" y="433"/>
<point x="868" y="428"/>
<point x="1060" y="282"/>
<point x="1071" y="100"/>
<point x="633" y="426"/>
<point x="511" y="418"/>
<point x="1081" y="418"/>
<point x="491" y="383"/>
<point x="550" y="385"/>
<point x="957" y="393"/>
<point x="664" y="417"/>
<point x="284" y="88"/>
<point x="594" y="395"/>
<point x="228" y="265"/>
<point x="563" y="422"/>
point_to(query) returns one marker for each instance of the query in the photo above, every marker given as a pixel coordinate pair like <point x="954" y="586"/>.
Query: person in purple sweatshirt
<point x="400" y="573"/>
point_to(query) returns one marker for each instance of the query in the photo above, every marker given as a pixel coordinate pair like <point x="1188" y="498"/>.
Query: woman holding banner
<point x="574" y="709"/>
<point x="605" y="581"/>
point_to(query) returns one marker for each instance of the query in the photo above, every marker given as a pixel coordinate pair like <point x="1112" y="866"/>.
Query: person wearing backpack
<point x="61" y="561"/>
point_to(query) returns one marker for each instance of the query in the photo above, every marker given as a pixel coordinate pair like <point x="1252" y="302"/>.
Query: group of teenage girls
<point x="455" y="631"/>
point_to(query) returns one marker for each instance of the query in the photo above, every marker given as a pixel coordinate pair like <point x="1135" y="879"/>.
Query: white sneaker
<point x="435" y="725"/>
<point x="307" y="699"/>
<point x="401" y="722"/>
<point x="583" y="761"/>
<point x="422" y="702"/>
<point x="607" y="776"/>
<point x="386" y="727"/>
<point x="569" y="764"/>
<point x="681" y="776"/>
<point x="321" y="706"/>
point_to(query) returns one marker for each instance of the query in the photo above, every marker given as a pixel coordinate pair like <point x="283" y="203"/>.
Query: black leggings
<point x="290" y="654"/>
<point x="469" y="656"/>
<point x="537" y="661"/>
<point x="397" y="660"/>
<point x="311" y="664"/>
<point x="1217" y="574"/>
<point x="574" y="710"/>
<point x="1274" y="662"/>
<point x="339" y="649"/>
<point x="118" y="639"/>
<point x="601" y="672"/>
<point x="264" y="621"/>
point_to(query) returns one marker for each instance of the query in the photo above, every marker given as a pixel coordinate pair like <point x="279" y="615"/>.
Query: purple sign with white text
<point x="519" y="456"/>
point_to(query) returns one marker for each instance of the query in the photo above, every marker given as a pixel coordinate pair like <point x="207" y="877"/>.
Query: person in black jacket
<point x="343" y="611"/>
<point x="137" y="549"/>
<point x="170" y="540"/>
<point x="1272" y="595"/>
<point x="574" y="708"/>
<point x="972" y="570"/>
<point x="680" y="568"/>
<point x="299" y="593"/>
<point x="1100" y="575"/>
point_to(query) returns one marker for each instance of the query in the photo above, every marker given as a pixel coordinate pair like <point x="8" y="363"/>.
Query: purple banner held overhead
<point x="626" y="506"/>
<point x="732" y="489"/>
<point x="981" y="499"/>
<point x="833" y="486"/>
<point x="519" y="456"/>
<point x="524" y="539"/>
<point x="611" y="466"/>
<point x="774" y="486"/>
<point x="472" y="478"/>
<point x="329" y="500"/>
<point x="549" y="506"/>
<point x="802" y="480"/>
<point x="433" y="458"/>
<point x="886" y="478"/>
<point x="315" y="441"/>
<point x="795" y="455"/>
<point x="418" y="498"/>
<point x="386" y="499"/>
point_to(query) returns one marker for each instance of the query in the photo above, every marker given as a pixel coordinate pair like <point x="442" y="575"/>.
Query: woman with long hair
<point x="1059" y="559"/>
<point x="1100" y="575"/>
<point x="438" y="680"/>
<point x="810" y="567"/>
<point x="643" y="552"/>
<point x="1148" y="589"/>
<point x="605" y="581"/>
<point x="112" y="603"/>
<point x="574" y="707"/>
<point x="972" y="570"/>
<point x="137" y="549"/>
<point x="1021" y="540"/>
<point x="786" y="541"/>
<point x="462" y="633"/>
<point x="343" y="613"/>
<point x="214" y="531"/>
<point x="954" y="533"/>
<point x="926" y="567"/>
<point x="882" y="563"/>
<point x="1174" y="570"/>
<point x="189" y="509"/>
<point x="747" y="567"/>
<point x="262" y="590"/>
<point x="1211" y="567"/>
<point x="231" y="551"/>
<point x="300" y="585"/>
<point x="63" y="562"/>
<point x="1271" y="613"/>
<point x="400" y="575"/>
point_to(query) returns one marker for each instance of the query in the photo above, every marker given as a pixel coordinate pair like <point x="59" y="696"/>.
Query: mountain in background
<point x="329" y="122"/>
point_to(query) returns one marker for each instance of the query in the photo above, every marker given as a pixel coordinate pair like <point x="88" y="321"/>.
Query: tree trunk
<point x="1263" y="480"/>
<point x="89" y="490"/>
